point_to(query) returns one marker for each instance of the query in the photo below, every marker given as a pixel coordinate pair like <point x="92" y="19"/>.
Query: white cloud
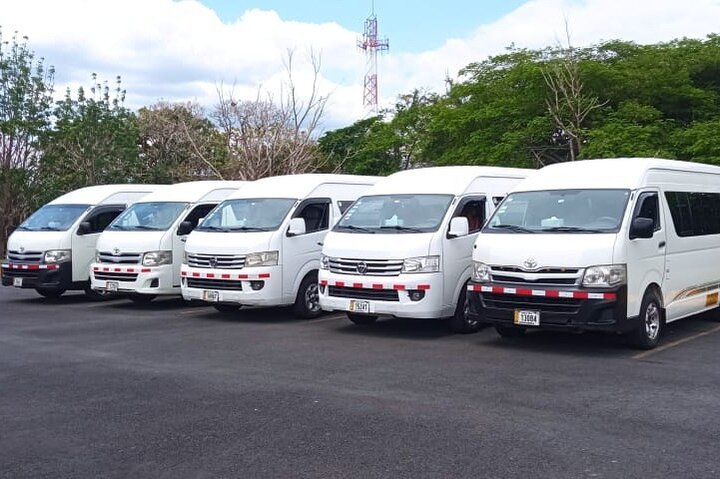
<point x="181" y="50"/>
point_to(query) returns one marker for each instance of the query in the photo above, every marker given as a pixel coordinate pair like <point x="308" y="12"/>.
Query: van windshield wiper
<point x="246" y="228"/>
<point x="513" y="228"/>
<point x="146" y="228"/>
<point x="213" y="228"/>
<point x="356" y="228"/>
<point x="402" y="228"/>
<point x="574" y="229"/>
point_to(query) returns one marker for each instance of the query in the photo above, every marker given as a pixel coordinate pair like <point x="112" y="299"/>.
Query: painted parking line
<point x="673" y="344"/>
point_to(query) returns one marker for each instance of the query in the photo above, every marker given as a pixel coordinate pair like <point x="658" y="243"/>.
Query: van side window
<point x="474" y="210"/>
<point x="100" y="219"/>
<point x="694" y="214"/>
<point x="647" y="207"/>
<point x="316" y="216"/>
<point x="200" y="211"/>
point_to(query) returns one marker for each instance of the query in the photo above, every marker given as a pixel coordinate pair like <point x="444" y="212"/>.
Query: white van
<point x="141" y="251"/>
<point x="403" y="249"/>
<point x="51" y="251"/>
<point x="261" y="246"/>
<point x="621" y="245"/>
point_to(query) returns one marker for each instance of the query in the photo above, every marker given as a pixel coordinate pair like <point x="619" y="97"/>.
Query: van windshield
<point x="560" y="211"/>
<point x="53" y="218"/>
<point x="155" y="216"/>
<point x="395" y="214"/>
<point x="248" y="214"/>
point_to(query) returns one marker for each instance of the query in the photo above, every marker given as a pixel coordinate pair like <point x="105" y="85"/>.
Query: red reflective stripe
<point x="524" y="292"/>
<point x="131" y="270"/>
<point x="552" y="294"/>
<point x="146" y="270"/>
<point x="357" y="285"/>
<point x="118" y="270"/>
<point x="423" y="287"/>
<point x="196" y="275"/>
<point x="340" y="284"/>
<point x="580" y="295"/>
<point x="264" y="275"/>
<point x="183" y="273"/>
<point x="323" y="282"/>
<point x="498" y="290"/>
<point x="612" y="296"/>
<point x="95" y="268"/>
<point x="210" y="275"/>
<point x="242" y="276"/>
<point x="106" y="269"/>
<point x="377" y="286"/>
<point x="399" y="287"/>
<point x="225" y="276"/>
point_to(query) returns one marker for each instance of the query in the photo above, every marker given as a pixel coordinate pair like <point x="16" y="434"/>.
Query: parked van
<point x="51" y="251"/>
<point x="621" y="245"/>
<point x="261" y="246"/>
<point x="403" y="249"/>
<point x="141" y="251"/>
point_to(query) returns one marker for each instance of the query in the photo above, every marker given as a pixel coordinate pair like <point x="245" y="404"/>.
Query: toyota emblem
<point x="116" y="251"/>
<point x="22" y="249"/>
<point x="530" y="263"/>
<point x="212" y="261"/>
<point x="362" y="267"/>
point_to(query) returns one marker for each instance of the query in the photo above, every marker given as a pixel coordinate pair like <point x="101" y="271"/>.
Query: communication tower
<point x="371" y="45"/>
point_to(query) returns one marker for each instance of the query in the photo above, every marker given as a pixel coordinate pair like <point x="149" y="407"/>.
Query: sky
<point x="188" y="50"/>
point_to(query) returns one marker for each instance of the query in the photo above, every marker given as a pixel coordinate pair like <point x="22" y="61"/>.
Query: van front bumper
<point x="405" y="296"/>
<point x="33" y="275"/>
<point x="248" y="287"/>
<point x="133" y="279"/>
<point x="560" y="309"/>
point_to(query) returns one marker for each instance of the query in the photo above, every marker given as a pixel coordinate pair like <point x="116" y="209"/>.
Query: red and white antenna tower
<point x="371" y="45"/>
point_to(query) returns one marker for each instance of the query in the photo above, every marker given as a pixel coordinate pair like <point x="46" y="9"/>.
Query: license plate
<point x="212" y="296"/>
<point x="111" y="286"/>
<point x="17" y="282"/>
<point x="359" y="306"/>
<point x="527" y="318"/>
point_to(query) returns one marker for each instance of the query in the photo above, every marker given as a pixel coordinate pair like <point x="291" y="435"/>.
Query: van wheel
<point x="307" y="302"/>
<point x="141" y="298"/>
<point x="460" y="322"/>
<point x="510" y="331"/>
<point x="649" y="330"/>
<point x="51" y="293"/>
<point x="361" y="318"/>
<point x="226" y="308"/>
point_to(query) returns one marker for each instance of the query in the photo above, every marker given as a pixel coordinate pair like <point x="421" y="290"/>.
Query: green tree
<point x="26" y="87"/>
<point x="94" y="141"/>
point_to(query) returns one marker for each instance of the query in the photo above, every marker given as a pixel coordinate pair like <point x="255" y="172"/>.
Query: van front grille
<point x="25" y="256"/>
<point x="119" y="258"/>
<point x="219" y="261"/>
<point x="366" y="267"/>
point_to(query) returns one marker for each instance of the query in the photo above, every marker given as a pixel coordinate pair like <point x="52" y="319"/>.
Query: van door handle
<point x="319" y="243"/>
<point x="661" y="244"/>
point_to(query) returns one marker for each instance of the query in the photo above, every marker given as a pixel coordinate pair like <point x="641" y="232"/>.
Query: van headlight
<point x="57" y="256"/>
<point x="481" y="272"/>
<point x="184" y="258"/>
<point x="605" y="276"/>
<point x="421" y="264"/>
<point x="324" y="262"/>
<point x="157" y="258"/>
<point x="264" y="258"/>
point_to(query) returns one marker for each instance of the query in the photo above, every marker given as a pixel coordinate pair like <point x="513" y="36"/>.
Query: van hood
<point x="205" y="242"/>
<point x="546" y="250"/>
<point x="38" y="240"/>
<point x="376" y="246"/>
<point x="130" y="241"/>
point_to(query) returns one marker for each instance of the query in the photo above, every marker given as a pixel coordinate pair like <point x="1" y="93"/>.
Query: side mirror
<point x="84" y="228"/>
<point x="185" y="228"/>
<point x="297" y="227"/>
<point x="458" y="227"/>
<point x="642" y="228"/>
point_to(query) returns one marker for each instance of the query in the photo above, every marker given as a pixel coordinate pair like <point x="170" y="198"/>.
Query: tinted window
<point x="100" y="220"/>
<point x="474" y="211"/>
<point x="316" y="216"/>
<point x="647" y="207"/>
<point x="694" y="214"/>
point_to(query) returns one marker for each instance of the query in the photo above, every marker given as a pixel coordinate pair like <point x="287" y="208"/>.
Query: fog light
<point x="416" y="294"/>
<point x="257" y="285"/>
<point x="154" y="283"/>
<point x="322" y="288"/>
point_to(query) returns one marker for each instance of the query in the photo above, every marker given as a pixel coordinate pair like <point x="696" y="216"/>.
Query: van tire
<point x="50" y="293"/>
<point x="510" y="331"/>
<point x="361" y="319"/>
<point x="460" y="322"/>
<point x="651" y="322"/>
<point x="307" y="301"/>
<point x="226" y="308"/>
<point x="141" y="298"/>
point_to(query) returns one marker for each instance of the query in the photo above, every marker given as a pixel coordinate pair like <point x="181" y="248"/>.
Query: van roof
<point x="95" y="195"/>
<point x="297" y="186"/>
<point x="191" y="191"/>
<point x="621" y="173"/>
<point x="441" y="179"/>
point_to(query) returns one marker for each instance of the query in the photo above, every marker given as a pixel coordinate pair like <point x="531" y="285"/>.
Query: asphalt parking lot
<point x="171" y="390"/>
